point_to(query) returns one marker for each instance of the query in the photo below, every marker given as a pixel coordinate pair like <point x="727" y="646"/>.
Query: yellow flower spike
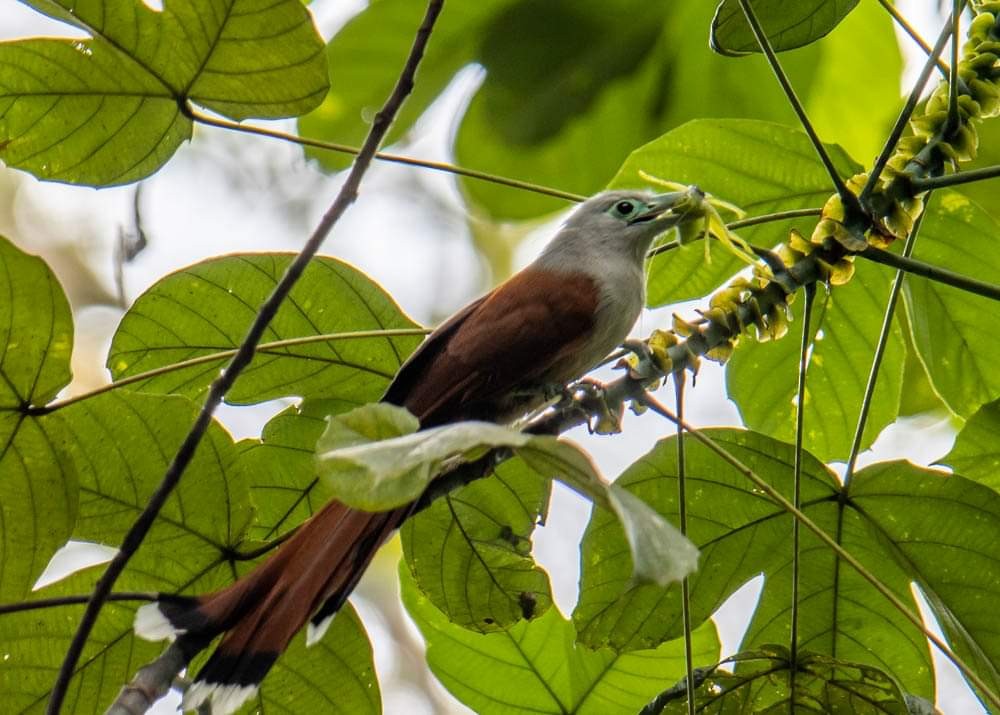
<point x="659" y="344"/>
<point x="682" y="327"/>
<point x="721" y="353"/>
<point x="797" y="242"/>
<point x="841" y="272"/>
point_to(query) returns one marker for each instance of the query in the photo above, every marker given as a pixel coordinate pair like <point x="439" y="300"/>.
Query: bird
<point x="495" y="359"/>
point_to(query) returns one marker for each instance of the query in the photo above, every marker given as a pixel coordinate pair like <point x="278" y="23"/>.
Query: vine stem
<point x="383" y="156"/>
<point x="954" y="21"/>
<point x="244" y="354"/>
<point x="846" y="196"/>
<point x="965" y="177"/>
<point x="897" y="16"/>
<point x="883" y="341"/>
<point x="273" y="346"/>
<point x="934" y="273"/>
<point x="904" y="115"/>
<point x="793" y="648"/>
<point x="682" y="513"/>
<point x="7" y="608"/>
<point x="652" y="403"/>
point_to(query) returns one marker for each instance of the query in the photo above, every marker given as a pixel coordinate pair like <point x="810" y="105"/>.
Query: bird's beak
<point x="660" y="209"/>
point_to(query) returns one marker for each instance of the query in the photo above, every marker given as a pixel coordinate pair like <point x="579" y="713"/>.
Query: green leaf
<point x="470" y="552"/>
<point x="335" y="675"/>
<point x="762" y="377"/>
<point x="943" y="530"/>
<point x="280" y="467"/>
<point x="382" y="475"/>
<point x="762" y="683"/>
<point x="122" y="443"/>
<point x="38" y="485"/>
<point x="35" y="643"/>
<point x="953" y="330"/>
<point x="742" y="533"/>
<point x="208" y="307"/>
<point x="787" y="25"/>
<point x="537" y="666"/>
<point x="110" y="109"/>
<point x="759" y="166"/>
<point x="976" y="453"/>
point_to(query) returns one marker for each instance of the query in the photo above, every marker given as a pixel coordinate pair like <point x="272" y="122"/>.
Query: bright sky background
<point x="226" y="193"/>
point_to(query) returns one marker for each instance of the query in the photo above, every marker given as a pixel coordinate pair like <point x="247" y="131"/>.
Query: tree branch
<point x="347" y="195"/>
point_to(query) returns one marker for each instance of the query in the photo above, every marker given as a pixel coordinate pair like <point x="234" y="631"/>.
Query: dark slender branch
<point x="883" y="341"/>
<point x="776" y="216"/>
<point x="849" y="200"/>
<point x="954" y="120"/>
<point x="964" y="177"/>
<point x="8" y="608"/>
<point x="934" y="273"/>
<point x="347" y="195"/>
<point x="912" y="32"/>
<point x="682" y="512"/>
<point x="391" y="158"/>
<point x="904" y="115"/>
<point x="800" y="411"/>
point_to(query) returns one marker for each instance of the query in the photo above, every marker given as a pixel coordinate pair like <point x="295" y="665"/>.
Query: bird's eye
<point x="624" y="207"/>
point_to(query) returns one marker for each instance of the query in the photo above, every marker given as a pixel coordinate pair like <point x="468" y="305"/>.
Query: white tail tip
<point x="152" y="625"/>
<point x="223" y="699"/>
<point x="315" y="633"/>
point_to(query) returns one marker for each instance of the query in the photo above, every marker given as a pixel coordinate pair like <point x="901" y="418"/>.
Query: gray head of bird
<point x="622" y="223"/>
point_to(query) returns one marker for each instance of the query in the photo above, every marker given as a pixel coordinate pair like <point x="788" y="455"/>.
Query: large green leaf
<point x="110" y="109"/>
<point x="953" y="330"/>
<point x="762" y="377"/>
<point x="905" y="524"/>
<point x="122" y="444"/>
<point x="35" y="643"/>
<point x="759" y="166"/>
<point x="38" y="487"/>
<point x="537" y="666"/>
<point x="280" y="467"/>
<point x="207" y="308"/>
<point x="787" y="24"/>
<point x="335" y="675"/>
<point x="762" y="683"/>
<point x="373" y="458"/>
<point x="976" y="453"/>
<point x="470" y="552"/>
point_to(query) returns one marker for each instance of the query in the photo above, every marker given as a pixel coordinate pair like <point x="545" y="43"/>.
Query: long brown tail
<point x="308" y="579"/>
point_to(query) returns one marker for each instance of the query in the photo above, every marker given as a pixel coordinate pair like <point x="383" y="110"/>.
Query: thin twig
<point x="8" y="608"/>
<point x="964" y="177"/>
<point x="649" y="401"/>
<point x="904" y="115"/>
<point x="883" y="341"/>
<point x="392" y="158"/>
<point x="793" y="648"/>
<point x="849" y="200"/>
<point x="345" y="197"/>
<point x="934" y="273"/>
<point x="150" y="684"/>
<point x="682" y="513"/>
<point x="274" y="347"/>
<point x="912" y="32"/>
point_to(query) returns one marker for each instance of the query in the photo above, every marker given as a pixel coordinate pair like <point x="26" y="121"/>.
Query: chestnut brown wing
<point x="508" y="340"/>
